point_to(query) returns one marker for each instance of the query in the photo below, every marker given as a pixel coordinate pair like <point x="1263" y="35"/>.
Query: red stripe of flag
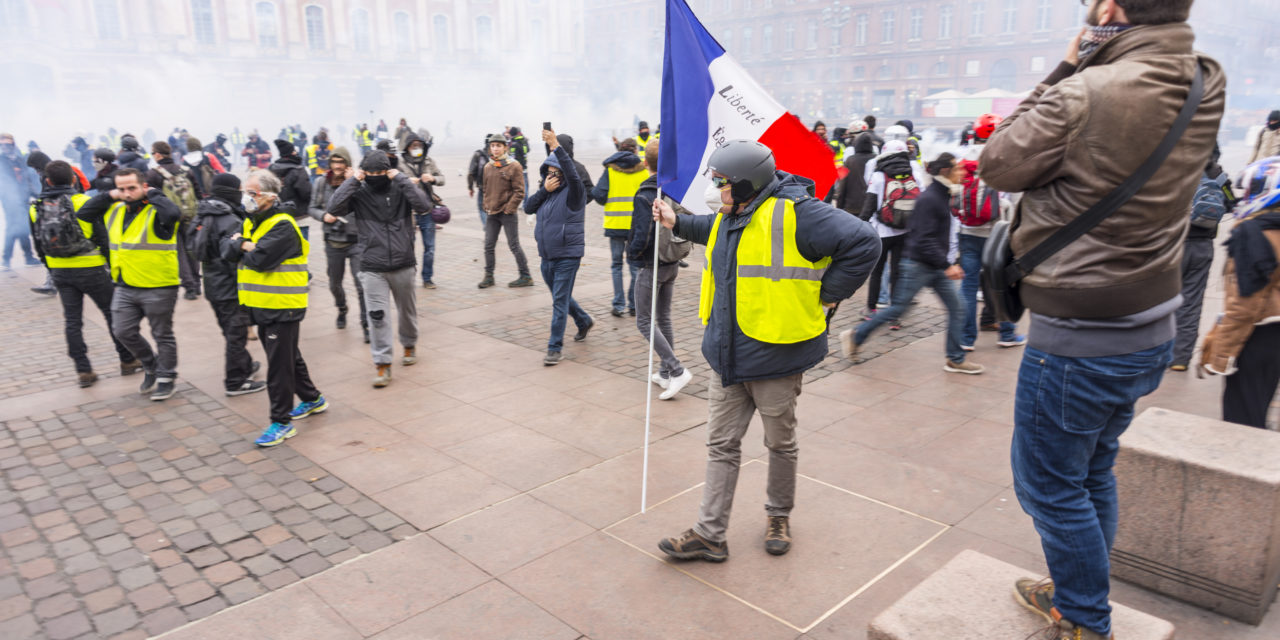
<point x="799" y="151"/>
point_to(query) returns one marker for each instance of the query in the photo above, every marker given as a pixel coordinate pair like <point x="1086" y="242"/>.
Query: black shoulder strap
<point x="1022" y="266"/>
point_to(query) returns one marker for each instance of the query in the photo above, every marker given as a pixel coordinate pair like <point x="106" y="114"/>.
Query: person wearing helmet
<point x="1244" y="345"/>
<point x="765" y="322"/>
<point x="1102" y="308"/>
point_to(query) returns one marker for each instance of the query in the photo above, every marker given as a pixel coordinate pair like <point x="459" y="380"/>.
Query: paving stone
<point x="81" y="563"/>
<point x="135" y="578"/>
<point x="349" y="526"/>
<point x="113" y="543"/>
<point x="178" y="526"/>
<point x="273" y="535"/>
<point x="310" y="530"/>
<point x="67" y="626"/>
<point x="370" y="541"/>
<point x="162" y="558"/>
<point x="289" y="549"/>
<point x="241" y="549"/>
<point x="206" y="557"/>
<point x="227" y="533"/>
<point x="125" y="559"/>
<point x="163" y="620"/>
<point x="191" y="541"/>
<point x="256" y="521"/>
<point x="280" y="579"/>
<point x="179" y="574"/>
<point x="262" y="565"/>
<point x="100" y="601"/>
<point x="150" y="597"/>
<point x="46" y="586"/>
<point x="116" y="620"/>
<point x="350" y="553"/>
<point x="71" y="547"/>
<point x="309" y="564"/>
<point x="224" y="573"/>
<point x="241" y="590"/>
<point x="193" y="592"/>
<point x="54" y="606"/>
<point x="91" y="581"/>
<point x="330" y="512"/>
<point x="384" y="521"/>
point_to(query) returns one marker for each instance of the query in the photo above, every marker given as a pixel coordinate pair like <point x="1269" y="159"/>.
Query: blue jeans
<point x="916" y="276"/>
<point x="971" y="262"/>
<point x="619" y="248"/>
<point x="480" y="207"/>
<point x="559" y="274"/>
<point x="1068" y="415"/>
<point x="427" y="227"/>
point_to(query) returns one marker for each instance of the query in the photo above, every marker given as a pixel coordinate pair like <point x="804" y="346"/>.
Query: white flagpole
<point x="648" y="396"/>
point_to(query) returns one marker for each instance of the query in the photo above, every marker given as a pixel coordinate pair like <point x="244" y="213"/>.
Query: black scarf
<point x="1253" y="254"/>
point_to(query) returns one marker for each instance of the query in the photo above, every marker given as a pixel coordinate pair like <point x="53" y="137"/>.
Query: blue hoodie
<point x="560" y="231"/>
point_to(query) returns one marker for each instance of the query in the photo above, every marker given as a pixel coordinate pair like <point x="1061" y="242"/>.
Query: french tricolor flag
<point x="709" y="99"/>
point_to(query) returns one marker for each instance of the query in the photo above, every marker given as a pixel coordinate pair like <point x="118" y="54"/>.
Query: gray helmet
<point x="748" y="164"/>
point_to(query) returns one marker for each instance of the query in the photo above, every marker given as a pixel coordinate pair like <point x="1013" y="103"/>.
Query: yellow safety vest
<point x="837" y="147"/>
<point x="92" y="259"/>
<point x="778" y="290"/>
<point x="237" y="138"/>
<point x="619" y="204"/>
<point x="313" y="163"/>
<point x="139" y="257"/>
<point x="284" y="287"/>
<point x="366" y="140"/>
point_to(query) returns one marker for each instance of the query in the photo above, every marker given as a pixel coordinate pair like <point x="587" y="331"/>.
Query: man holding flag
<point x="777" y="259"/>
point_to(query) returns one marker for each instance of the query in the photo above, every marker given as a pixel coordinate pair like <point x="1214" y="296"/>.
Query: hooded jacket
<point x="104" y="180"/>
<point x="560" y="230"/>
<point x="280" y="243"/>
<point x="384" y="221"/>
<point x="625" y="162"/>
<point x="1078" y="135"/>
<point x="216" y="220"/>
<point x="853" y="189"/>
<point x="566" y="141"/>
<point x="297" y="181"/>
<point x="1252" y="295"/>
<point x="418" y="167"/>
<point x="341" y="234"/>
<point x="822" y="231"/>
<point x="130" y="159"/>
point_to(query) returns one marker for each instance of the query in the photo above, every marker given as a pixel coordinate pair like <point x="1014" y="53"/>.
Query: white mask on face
<point x="712" y="198"/>
<point x="250" y="205"/>
<point x="417" y="153"/>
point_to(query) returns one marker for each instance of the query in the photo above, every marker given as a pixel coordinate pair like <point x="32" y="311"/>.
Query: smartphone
<point x="546" y="126"/>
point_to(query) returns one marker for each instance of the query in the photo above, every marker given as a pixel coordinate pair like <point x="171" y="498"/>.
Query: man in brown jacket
<point x="503" y="189"/>
<point x="1102" y="309"/>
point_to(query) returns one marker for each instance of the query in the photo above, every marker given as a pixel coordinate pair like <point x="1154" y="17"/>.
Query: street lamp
<point x="837" y="15"/>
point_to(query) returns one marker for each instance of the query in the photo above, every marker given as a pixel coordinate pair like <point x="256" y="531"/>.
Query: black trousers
<point x="286" y="371"/>
<point x="73" y="285"/>
<point x="889" y="244"/>
<point x="234" y="322"/>
<point x="188" y="265"/>
<point x="337" y="259"/>
<point x="1249" y="391"/>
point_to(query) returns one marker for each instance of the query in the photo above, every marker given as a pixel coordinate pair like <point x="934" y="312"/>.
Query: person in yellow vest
<point x="641" y="138"/>
<point x="72" y="249"/>
<point x="272" y="285"/>
<point x="142" y="235"/>
<point x="616" y="188"/>
<point x="777" y="260"/>
<point x="318" y="154"/>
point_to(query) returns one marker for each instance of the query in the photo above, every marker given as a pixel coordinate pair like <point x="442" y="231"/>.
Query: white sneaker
<point x="677" y="383"/>
<point x="660" y="381"/>
<point x="848" y="347"/>
<point x="966" y="347"/>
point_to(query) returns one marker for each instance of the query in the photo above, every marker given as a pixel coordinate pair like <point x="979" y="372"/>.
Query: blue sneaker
<point x="304" y="409"/>
<point x="1015" y="340"/>
<point x="275" y="434"/>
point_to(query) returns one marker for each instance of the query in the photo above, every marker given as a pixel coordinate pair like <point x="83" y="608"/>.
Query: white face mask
<point x="417" y="153"/>
<point x="712" y="198"/>
<point x="250" y="205"/>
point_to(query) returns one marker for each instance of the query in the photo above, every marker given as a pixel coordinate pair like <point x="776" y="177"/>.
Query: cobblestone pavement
<point x="126" y="518"/>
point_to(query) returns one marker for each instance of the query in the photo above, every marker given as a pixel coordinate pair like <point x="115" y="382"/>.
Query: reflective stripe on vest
<point x="619" y="204"/>
<point x="94" y="258"/>
<point x="778" y="290"/>
<point x="139" y="257"/>
<point x="284" y="287"/>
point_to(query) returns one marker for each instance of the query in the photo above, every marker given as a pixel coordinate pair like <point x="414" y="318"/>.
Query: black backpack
<point x="58" y="230"/>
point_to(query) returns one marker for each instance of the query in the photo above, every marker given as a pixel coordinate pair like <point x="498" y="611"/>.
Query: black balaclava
<point x="1273" y="120"/>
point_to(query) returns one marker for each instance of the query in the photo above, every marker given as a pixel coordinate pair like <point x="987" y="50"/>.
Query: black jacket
<point x="132" y="160"/>
<point x="384" y="221"/>
<point x="640" y="242"/>
<point x="269" y="252"/>
<point x="475" y="170"/>
<point x="217" y="220"/>
<point x="321" y="194"/>
<point x="297" y="182"/>
<point x="166" y="220"/>
<point x="561" y="215"/>
<point x="822" y="231"/>
<point x="98" y="236"/>
<point x="929" y="227"/>
<point x="104" y="180"/>
<point x="853" y="189"/>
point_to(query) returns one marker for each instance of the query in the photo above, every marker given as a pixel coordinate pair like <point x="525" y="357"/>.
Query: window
<point x="726" y="39"/>
<point x="977" y="16"/>
<point x="941" y="69"/>
<point x="314" y="18"/>
<point x="746" y="41"/>
<point x="361" y="33"/>
<point x="913" y="69"/>
<point x="972" y="68"/>
<point x="484" y="35"/>
<point x="404" y="32"/>
<point x="1037" y="63"/>
<point x="766" y="38"/>
<point x="888" y="20"/>
<point x="1044" y="15"/>
<point x="859" y="72"/>
<point x="885" y="72"/>
<point x="264" y="16"/>
<point x="811" y="38"/>
<point x="860" y="30"/>
<point x="917" y="24"/>
<point x="944" y="21"/>
<point x="882" y="101"/>
<point x="835" y="35"/>
<point x="1010" y="21"/>
<point x="789" y="40"/>
<point x="202" y="21"/>
<point x="107" y="13"/>
<point x="440" y="33"/>
<point x="13" y="16"/>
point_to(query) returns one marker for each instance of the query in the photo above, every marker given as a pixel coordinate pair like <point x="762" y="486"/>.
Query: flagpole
<point x="648" y="396"/>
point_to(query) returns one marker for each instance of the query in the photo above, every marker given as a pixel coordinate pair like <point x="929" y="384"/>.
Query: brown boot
<point x="129" y="368"/>
<point x="777" y="537"/>
<point x="87" y="378"/>
<point x="410" y="357"/>
<point x="384" y="376"/>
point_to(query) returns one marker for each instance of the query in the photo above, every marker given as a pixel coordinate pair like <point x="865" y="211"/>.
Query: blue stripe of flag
<point x="686" y="93"/>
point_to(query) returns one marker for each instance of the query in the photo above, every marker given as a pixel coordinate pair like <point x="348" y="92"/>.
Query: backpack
<point x="58" y="230"/>
<point x="178" y="188"/>
<point x="672" y="249"/>
<point x="979" y="204"/>
<point x="207" y="174"/>
<point x="1210" y="202"/>
<point x="900" y="194"/>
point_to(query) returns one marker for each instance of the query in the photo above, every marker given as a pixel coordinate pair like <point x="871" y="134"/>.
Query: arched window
<point x="484" y="35"/>
<point x="264" y="16"/>
<point x="107" y="14"/>
<point x="440" y="33"/>
<point x="13" y="17"/>
<point x="202" y="21"/>
<point x="403" y="32"/>
<point x="314" y="18"/>
<point x="361" y="32"/>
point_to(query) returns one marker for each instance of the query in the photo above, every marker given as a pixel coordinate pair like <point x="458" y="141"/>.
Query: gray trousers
<point x="510" y="225"/>
<point x="379" y="288"/>
<point x="731" y="409"/>
<point x="1197" y="258"/>
<point x="128" y="307"/>
<point x="337" y="259"/>
<point x="664" y="337"/>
